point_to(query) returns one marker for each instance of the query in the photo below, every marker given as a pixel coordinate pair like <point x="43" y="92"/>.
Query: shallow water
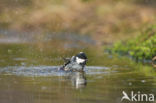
<point x="46" y="70"/>
<point x="29" y="74"/>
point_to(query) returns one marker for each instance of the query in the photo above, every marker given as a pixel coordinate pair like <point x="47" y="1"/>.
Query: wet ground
<point x="29" y="73"/>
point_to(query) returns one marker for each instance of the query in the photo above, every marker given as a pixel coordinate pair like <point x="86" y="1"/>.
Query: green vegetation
<point x="141" y="48"/>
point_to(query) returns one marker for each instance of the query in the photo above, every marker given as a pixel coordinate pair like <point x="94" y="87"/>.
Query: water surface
<point x="29" y="74"/>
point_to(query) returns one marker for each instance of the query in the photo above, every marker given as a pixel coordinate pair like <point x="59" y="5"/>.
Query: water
<point x="29" y="74"/>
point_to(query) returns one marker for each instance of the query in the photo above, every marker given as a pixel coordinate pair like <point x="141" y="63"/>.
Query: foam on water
<point x="46" y="70"/>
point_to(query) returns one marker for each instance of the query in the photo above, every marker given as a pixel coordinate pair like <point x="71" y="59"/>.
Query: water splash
<point x="46" y="70"/>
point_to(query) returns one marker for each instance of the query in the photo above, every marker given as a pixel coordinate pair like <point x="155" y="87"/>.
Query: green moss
<point x="141" y="48"/>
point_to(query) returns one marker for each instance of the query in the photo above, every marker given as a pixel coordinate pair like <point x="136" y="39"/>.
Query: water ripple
<point x="46" y="70"/>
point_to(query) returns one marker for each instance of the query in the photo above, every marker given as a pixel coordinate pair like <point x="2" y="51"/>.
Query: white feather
<point x="79" y="60"/>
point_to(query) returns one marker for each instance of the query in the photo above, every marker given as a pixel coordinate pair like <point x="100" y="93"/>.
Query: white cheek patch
<point x="79" y="60"/>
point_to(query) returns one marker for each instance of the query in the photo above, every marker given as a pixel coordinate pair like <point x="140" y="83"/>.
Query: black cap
<point x="81" y="55"/>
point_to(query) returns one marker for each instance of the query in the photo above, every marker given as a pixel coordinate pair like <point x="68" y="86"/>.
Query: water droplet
<point x="129" y="83"/>
<point x="143" y="81"/>
<point x="9" y="51"/>
<point x="43" y="88"/>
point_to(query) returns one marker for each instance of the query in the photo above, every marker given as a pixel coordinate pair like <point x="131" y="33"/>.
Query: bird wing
<point x="66" y="60"/>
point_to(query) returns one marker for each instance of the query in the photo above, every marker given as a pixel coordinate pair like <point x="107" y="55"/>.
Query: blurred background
<point x="118" y="36"/>
<point x="106" y="21"/>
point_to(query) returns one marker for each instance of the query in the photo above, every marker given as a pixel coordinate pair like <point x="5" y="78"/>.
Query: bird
<point x="75" y="63"/>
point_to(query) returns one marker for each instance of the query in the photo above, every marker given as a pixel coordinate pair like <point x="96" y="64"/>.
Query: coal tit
<point x="76" y="63"/>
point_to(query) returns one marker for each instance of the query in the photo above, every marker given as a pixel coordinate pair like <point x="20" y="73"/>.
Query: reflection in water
<point x="44" y="84"/>
<point x="78" y="79"/>
<point x="28" y="75"/>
